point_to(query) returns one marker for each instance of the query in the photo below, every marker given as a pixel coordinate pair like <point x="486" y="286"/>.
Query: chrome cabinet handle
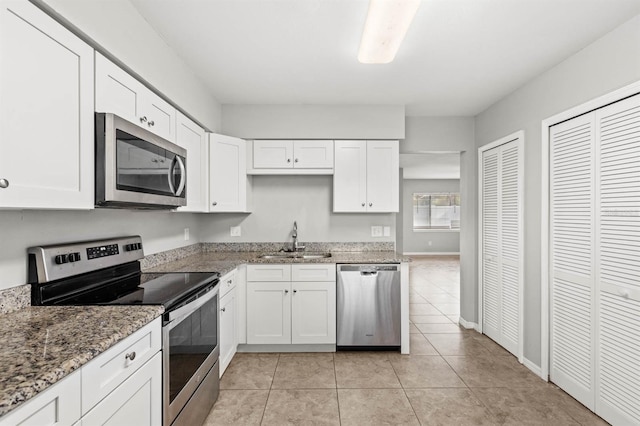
<point x="295" y="291"/>
<point x="288" y="160"/>
<point x="223" y="309"/>
<point x="286" y="292"/>
<point x="151" y="123"/>
<point x="229" y="282"/>
<point x="296" y="160"/>
<point x="363" y="204"/>
<point x="130" y="356"/>
<point x="370" y="204"/>
<point x="4" y="183"/>
<point x="215" y="203"/>
<point x="143" y="119"/>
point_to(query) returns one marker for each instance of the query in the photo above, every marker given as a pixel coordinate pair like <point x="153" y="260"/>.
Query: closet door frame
<point x="519" y="138"/>
<point x="545" y="260"/>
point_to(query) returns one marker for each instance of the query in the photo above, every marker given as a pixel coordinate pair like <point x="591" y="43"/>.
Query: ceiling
<point x="458" y="57"/>
<point x="436" y="165"/>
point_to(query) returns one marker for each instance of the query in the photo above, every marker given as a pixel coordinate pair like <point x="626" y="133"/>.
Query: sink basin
<point x="284" y="255"/>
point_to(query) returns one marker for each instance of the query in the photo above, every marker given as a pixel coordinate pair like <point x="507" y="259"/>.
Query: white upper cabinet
<point x="292" y="157"/>
<point x="46" y="112"/>
<point x="229" y="186"/>
<point x="120" y="93"/>
<point x="193" y="138"/>
<point x="366" y="176"/>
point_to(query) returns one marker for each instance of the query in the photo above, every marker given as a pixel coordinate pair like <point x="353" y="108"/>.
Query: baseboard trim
<point x="286" y="348"/>
<point x="537" y="370"/>
<point x="468" y="324"/>
<point x="431" y="253"/>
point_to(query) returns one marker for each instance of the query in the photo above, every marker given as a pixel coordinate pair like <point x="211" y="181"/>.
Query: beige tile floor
<point x="452" y="377"/>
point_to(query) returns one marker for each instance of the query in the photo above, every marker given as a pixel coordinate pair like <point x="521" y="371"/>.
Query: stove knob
<point x="61" y="258"/>
<point x="74" y="257"/>
<point x="139" y="246"/>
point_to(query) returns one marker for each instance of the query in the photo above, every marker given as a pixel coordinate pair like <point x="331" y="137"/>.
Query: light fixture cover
<point x="385" y="28"/>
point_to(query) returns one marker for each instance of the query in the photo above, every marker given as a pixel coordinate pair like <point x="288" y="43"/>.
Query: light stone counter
<point x="40" y="345"/>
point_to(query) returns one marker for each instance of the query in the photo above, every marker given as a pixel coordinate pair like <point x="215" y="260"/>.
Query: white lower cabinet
<point x="228" y="321"/>
<point x="291" y="312"/>
<point x="137" y="401"/>
<point x="59" y="405"/>
<point x="122" y="386"/>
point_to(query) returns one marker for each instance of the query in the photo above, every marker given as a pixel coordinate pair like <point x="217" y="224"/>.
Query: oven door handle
<point x="189" y="308"/>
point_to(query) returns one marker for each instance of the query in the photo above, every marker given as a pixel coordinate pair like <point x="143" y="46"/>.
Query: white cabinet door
<point x="313" y="154"/>
<point x="229" y="185"/>
<point x="350" y="176"/>
<point x="273" y="154"/>
<point x="120" y="93"/>
<point x="46" y="112"/>
<point x="383" y="168"/>
<point x="228" y="329"/>
<point x="193" y="138"/>
<point x="137" y="401"/>
<point x="268" y="312"/>
<point x="313" y="313"/>
<point x="58" y="405"/>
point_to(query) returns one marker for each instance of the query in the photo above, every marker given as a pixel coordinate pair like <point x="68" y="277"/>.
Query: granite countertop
<point x="43" y="344"/>
<point x="226" y="261"/>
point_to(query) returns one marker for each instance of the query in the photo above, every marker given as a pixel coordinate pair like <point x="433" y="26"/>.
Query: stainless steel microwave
<point x="136" y="168"/>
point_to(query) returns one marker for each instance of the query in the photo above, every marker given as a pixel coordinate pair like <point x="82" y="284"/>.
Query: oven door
<point x="190" y="349"/>
<point x="136" y="167"/>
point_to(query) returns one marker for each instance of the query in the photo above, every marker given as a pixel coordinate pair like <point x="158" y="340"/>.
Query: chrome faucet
<point x="294" y="234"/>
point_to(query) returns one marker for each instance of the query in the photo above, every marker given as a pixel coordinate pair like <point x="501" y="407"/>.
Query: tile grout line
<point x="264" y="410"/>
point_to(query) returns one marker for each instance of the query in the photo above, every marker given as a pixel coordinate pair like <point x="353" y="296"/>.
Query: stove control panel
<point x="54" y="262"/>
<point x="102" y="251"/>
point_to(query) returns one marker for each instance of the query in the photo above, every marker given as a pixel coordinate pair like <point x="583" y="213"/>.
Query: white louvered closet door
<point x="618" y="318"/>
<point x="502" y="245"/>
<point x="572" y="257"/>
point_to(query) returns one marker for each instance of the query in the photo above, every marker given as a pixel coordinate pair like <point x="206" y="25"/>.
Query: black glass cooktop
<point x="126" y="286"/>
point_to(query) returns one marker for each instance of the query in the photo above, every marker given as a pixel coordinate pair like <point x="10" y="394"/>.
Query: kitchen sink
<point x="285" y="255"/>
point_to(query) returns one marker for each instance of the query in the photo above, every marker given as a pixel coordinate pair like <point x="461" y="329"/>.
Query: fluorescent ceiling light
<point x="385" y="28"/>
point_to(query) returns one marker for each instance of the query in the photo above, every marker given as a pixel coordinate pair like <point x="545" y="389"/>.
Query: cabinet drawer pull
<point x="370" y="204"/>
<point x="229" y="281"/>
<point x="143" y="119"/>
<point x="130" y="356"/>
<point x="288" y="160"/>
<point x="295" y="291"/>
<point x="296" y="160"/>
<point x="215" y="203"/>
<point x="151" y="123"/>
<point x="4" y="183"/>
<point x="363" y="204"/>
<point x="223" y="309"/>
<point x="286" y="292"/>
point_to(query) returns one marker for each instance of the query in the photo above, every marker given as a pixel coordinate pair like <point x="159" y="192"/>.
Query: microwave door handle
<point x="183" y="176"/>
<point x="170" y="175"/>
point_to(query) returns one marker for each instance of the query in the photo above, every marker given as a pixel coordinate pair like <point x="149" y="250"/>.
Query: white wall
<point x="278" y="201"/>
<point x="428" y="134"/>
<point x="607" y="64"/>
<point x="313" y="121"/>
<point x="418" y="241"/>
<point x="118" y="28"/>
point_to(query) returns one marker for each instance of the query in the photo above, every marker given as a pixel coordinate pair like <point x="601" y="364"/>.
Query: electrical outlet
<point x="376" y="231"/>
<point x="186" y="234"/>
<point x="235" y="231"/>
<point x="387" y="231"/>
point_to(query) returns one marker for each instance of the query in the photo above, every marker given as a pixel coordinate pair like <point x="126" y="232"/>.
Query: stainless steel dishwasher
<point x="368" y="307"/>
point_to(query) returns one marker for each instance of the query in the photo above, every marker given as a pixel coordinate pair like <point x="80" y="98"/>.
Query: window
<point x="436" y="211"/>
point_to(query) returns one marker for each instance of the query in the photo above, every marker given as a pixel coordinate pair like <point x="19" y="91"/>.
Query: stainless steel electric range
<point x="107" y="272"/>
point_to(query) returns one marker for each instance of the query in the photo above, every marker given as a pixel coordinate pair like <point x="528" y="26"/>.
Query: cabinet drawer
<point x="57" y="405"/>
<point x="313" y="272"/>
<point x="269" y="273"/>
<point x="137" y="401"/>
<point x="227" y="282"/>
<point x="107" y="371"/>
